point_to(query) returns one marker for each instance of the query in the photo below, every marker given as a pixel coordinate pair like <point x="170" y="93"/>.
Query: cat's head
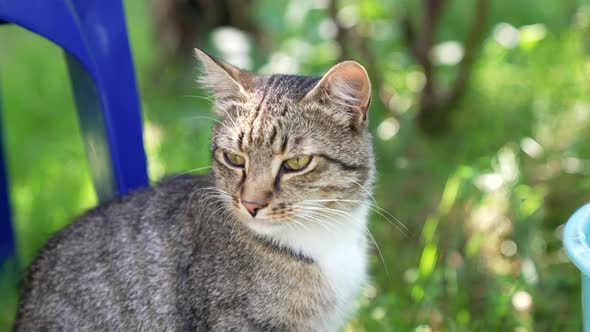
<point x="288" y="148"/>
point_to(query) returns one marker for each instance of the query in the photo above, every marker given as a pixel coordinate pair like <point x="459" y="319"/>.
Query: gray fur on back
<point x="160" y="260"/>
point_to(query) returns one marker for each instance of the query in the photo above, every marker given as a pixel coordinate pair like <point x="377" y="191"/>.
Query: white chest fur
<point x="339" y="247"/>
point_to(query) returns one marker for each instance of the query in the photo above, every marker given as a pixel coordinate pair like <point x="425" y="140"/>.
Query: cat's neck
<point x="338" y="245"/>
<point x="322" y="238"/>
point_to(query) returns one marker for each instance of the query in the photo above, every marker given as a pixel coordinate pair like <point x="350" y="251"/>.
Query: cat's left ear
<point x="224" y="80"/>
<point x="347" y="87"/>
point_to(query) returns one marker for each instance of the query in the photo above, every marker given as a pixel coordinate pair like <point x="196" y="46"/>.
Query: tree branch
<point x="472" y="48"/>
<point x="433" y="101"/>
<point x="430" y="20"/>
<point x="342" y="33"/>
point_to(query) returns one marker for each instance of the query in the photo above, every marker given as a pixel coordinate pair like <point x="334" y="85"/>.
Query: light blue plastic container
<point x="576" y="241"/>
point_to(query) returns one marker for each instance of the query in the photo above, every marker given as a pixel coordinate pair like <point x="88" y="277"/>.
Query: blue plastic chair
<point x="576" y="241"/>
<point x="94" y="37"/>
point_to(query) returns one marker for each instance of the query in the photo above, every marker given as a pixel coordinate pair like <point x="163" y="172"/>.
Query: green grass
<point x="471" y="252"/>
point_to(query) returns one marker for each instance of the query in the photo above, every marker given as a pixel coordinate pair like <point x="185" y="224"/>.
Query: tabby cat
<point x="273" y="239"/>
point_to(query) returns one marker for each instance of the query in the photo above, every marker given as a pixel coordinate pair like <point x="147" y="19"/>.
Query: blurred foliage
<point x="484" y="202"/>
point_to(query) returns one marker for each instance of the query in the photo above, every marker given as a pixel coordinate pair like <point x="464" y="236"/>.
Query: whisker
<point x="365" y="229"/>
<point x="366" y="190"/>
<point x="317" y="222"/>
<point x="196" y="117"/>
<point x="230" y="118"/>
<point x="375" y="208"/>
<point x="213" y="192"/>
<point x="211" y="99"/>
<point x="298" y="223"/>
<point x="191" y="171"/>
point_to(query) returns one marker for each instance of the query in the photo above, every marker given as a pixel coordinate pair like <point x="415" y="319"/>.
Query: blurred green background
<point x="481" y="114"/>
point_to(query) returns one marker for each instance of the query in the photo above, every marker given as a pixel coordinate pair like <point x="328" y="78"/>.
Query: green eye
<point x="234" y="159"/>
<point x="297" y="163"/>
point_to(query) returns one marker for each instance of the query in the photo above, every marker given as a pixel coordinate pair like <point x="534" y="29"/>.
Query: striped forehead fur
<point x="262" y="112"/>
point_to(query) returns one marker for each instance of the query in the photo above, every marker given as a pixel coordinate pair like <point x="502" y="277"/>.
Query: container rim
<point x="576" y="237"/>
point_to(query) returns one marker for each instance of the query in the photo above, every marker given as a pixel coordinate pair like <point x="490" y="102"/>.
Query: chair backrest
<point x="94" y="37"/>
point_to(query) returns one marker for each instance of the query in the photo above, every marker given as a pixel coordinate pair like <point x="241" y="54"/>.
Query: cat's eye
<point x="297" y="163"/>
<point x="234" y="159"/>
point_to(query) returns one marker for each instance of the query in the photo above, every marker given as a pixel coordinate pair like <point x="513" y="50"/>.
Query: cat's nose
<point x="253" y="207"/>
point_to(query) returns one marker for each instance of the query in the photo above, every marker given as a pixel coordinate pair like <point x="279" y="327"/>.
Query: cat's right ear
<point x="347" y="87"/>
<point x="224" y="80"/>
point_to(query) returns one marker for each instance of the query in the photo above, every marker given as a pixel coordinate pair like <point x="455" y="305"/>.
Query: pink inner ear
<point x="349" y="81"/>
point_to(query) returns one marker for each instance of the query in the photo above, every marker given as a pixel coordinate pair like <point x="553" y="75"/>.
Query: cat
<point x="272" y="239"/>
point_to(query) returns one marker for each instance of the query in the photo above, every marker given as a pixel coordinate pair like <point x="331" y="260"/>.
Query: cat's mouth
<point x="268" y="214"/>
<point x="267" y="219"/>
<point x="266" y="225"/>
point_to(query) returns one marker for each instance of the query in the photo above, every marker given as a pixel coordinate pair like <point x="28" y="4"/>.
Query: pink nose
<point x="252" y="207"/>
